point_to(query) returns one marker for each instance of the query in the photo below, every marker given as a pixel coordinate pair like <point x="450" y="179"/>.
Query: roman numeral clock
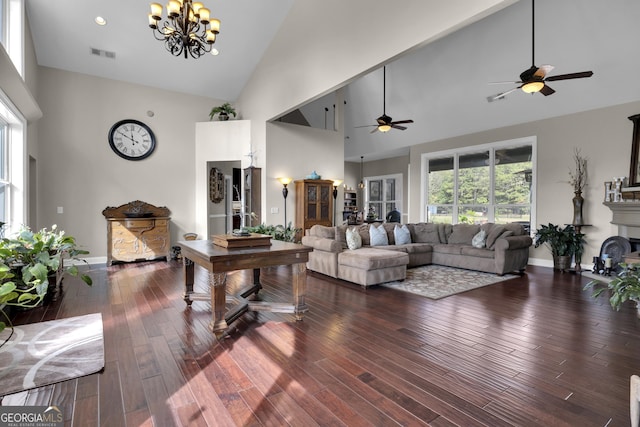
<point x="132" y="139"/>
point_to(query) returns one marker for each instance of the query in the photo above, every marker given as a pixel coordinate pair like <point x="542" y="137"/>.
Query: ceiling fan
<point x="385" y="123"/>
<point x="535" y="79"/>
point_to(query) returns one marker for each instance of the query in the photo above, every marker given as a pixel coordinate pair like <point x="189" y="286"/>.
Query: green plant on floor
<point x="30" y="294"/>
<point x="622" y="288"/>
<point x="561" y="241"/>
<point x="30" y="261"/>
<point x="278" y="232"/>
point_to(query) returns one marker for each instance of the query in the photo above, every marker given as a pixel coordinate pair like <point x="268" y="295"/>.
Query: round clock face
<point x="132" y="139"/>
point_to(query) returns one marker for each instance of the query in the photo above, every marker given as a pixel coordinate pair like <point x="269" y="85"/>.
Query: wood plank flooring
<point x="533" y="351"/>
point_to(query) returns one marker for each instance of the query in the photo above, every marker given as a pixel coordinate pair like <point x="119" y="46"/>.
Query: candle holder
<point x="596" y="265"/>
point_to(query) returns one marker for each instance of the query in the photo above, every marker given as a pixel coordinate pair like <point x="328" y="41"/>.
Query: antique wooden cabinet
<point x="314" y="203"/>
<point x="137" y="231"/>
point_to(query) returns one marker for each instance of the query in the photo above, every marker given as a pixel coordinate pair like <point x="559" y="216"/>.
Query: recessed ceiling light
<point x="214" y="52"/>
<point x="100" y="20"/>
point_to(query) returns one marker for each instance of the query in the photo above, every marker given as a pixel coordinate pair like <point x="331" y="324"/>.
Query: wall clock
<point x="132" y="139"/>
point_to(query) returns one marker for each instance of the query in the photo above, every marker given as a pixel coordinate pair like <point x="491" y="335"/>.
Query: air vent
<point x="103" y="53"/>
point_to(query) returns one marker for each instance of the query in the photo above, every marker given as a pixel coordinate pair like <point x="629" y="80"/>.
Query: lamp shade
<point x="531" y="87"/>
<point x="285" y="180"/>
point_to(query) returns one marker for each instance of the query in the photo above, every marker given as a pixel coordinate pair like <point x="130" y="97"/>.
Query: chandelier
<point x="188" y="29"/>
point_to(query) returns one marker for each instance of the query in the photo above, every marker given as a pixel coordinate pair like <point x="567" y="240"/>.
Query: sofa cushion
<point x="363" y="229"/>
<point x="452" y="249"/>
<point x="372" y="258"/>
<point x="378" y="235"/>
<point x="401" y="235"/>
<point x="425" y="233"/>
<point x="493" y="234"/>
<point x="463" y="234"/>
<point x="354" y="241"/>
<point x="517" y="228"/>
<point x="477" y="252"/>
<point x="445" y="230"/>
<point x="341" y="235"/>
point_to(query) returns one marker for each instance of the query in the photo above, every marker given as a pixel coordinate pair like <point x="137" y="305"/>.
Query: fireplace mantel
<point x="626" y="215"/>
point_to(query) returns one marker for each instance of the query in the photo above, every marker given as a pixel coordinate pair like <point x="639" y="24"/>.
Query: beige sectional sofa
<point x="506" y="249"/>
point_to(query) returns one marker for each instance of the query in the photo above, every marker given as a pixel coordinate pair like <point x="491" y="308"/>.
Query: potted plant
<point x="624" y="287"/>
<point x="564" y="244"/>
<point x="278" y="232"/>
<point x="223" y="111"/>
<point x="44" y="249"/>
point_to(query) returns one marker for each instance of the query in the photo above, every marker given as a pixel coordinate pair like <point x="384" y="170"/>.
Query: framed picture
<point x="634" y="170"/>
<point x="216" y="185"/>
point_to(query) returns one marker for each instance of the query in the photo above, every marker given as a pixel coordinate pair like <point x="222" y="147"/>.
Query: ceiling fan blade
<point x="504" y="83"/>
<point x="543" y="70"/>
<point x="398" y="127"/>
<point x="546" y="90"/>
<point x="579" y="75"/>
<point x="374" y="130"/>
<point x="365" y="126"/>
<point x="501" y="95"/>
<point x="401" y="122"/>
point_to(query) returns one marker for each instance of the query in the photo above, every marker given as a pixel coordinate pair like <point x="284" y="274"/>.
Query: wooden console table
<point x="137" y="231"/>
<point x="218" y="260"/>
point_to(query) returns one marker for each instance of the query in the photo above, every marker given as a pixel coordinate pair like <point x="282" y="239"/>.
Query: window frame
<point x="491" y="147"/>
<point x="398" y="177"/>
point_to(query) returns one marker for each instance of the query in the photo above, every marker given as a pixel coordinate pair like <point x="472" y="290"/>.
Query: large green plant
<point x="278" y="232"/>
<point x="624" y="287"/>
<point x="29" y="259"/>
<point x="30" y="294"/>
<point x="561" y="241"/>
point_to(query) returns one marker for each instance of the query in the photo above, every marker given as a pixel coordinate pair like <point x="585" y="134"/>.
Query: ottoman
<point x="368" y="266"/>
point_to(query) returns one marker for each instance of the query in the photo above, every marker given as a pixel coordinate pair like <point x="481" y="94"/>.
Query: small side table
<point x="578" y="228"/>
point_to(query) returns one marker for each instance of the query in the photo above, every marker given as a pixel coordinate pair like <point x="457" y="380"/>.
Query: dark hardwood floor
<point x="533" y="351"/>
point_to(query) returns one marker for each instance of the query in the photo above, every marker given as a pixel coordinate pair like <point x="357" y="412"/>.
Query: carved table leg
<point x="218" y="285"/>
<point x="299" y="290"/>
<point x="188" y="273"/>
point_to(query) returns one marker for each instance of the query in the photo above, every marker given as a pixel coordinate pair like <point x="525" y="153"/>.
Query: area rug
<point x="437" y="281"/>
<point x="45" y="353"/>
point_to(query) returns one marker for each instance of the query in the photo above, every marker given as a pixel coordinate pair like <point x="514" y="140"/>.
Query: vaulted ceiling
<point x="443" y="87"/>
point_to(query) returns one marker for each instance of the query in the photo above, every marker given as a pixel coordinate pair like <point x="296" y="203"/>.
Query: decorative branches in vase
<point x="578" y="180"/>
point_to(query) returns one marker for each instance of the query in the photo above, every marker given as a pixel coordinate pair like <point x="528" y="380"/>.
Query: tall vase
<point x="578" y="202"/>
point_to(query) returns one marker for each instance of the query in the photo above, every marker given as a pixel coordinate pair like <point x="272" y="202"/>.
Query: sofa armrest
<point x="513" y="242"/>
<point x="322" y="244"/>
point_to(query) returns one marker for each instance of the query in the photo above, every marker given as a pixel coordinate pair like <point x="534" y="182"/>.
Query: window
<point x="383" y="194"/>
<point x="11" y="34"/>
<point x="4" y="175"/>
<point x="12" y="166"/>
<point x="489" y="183"/>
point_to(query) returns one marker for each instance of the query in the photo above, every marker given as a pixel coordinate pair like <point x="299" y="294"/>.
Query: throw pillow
<point x="495" y="232"/>
<point x="425" y="233"/>
<point x="354" y="241"/>
<point x="505" y="233"/>
<point x="479" y="240"/>
<point x="401" y="235"/>
<point x="463" y="233"/>
<point x="378" y="236"/>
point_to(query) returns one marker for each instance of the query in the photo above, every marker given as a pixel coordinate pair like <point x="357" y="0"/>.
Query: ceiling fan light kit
<point x="534" y="79"/>
<point x="533" y="87"/>
<point x="386" y="123"/>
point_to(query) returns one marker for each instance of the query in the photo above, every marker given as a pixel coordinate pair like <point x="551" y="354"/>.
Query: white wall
<point x="320" y="48"/>
<point x="79" y="172"/>
<point x="296" y="151"/>
<point x="216" y="141"/>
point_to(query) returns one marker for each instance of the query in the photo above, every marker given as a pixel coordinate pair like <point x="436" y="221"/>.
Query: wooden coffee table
<point x="218" y="260"/>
